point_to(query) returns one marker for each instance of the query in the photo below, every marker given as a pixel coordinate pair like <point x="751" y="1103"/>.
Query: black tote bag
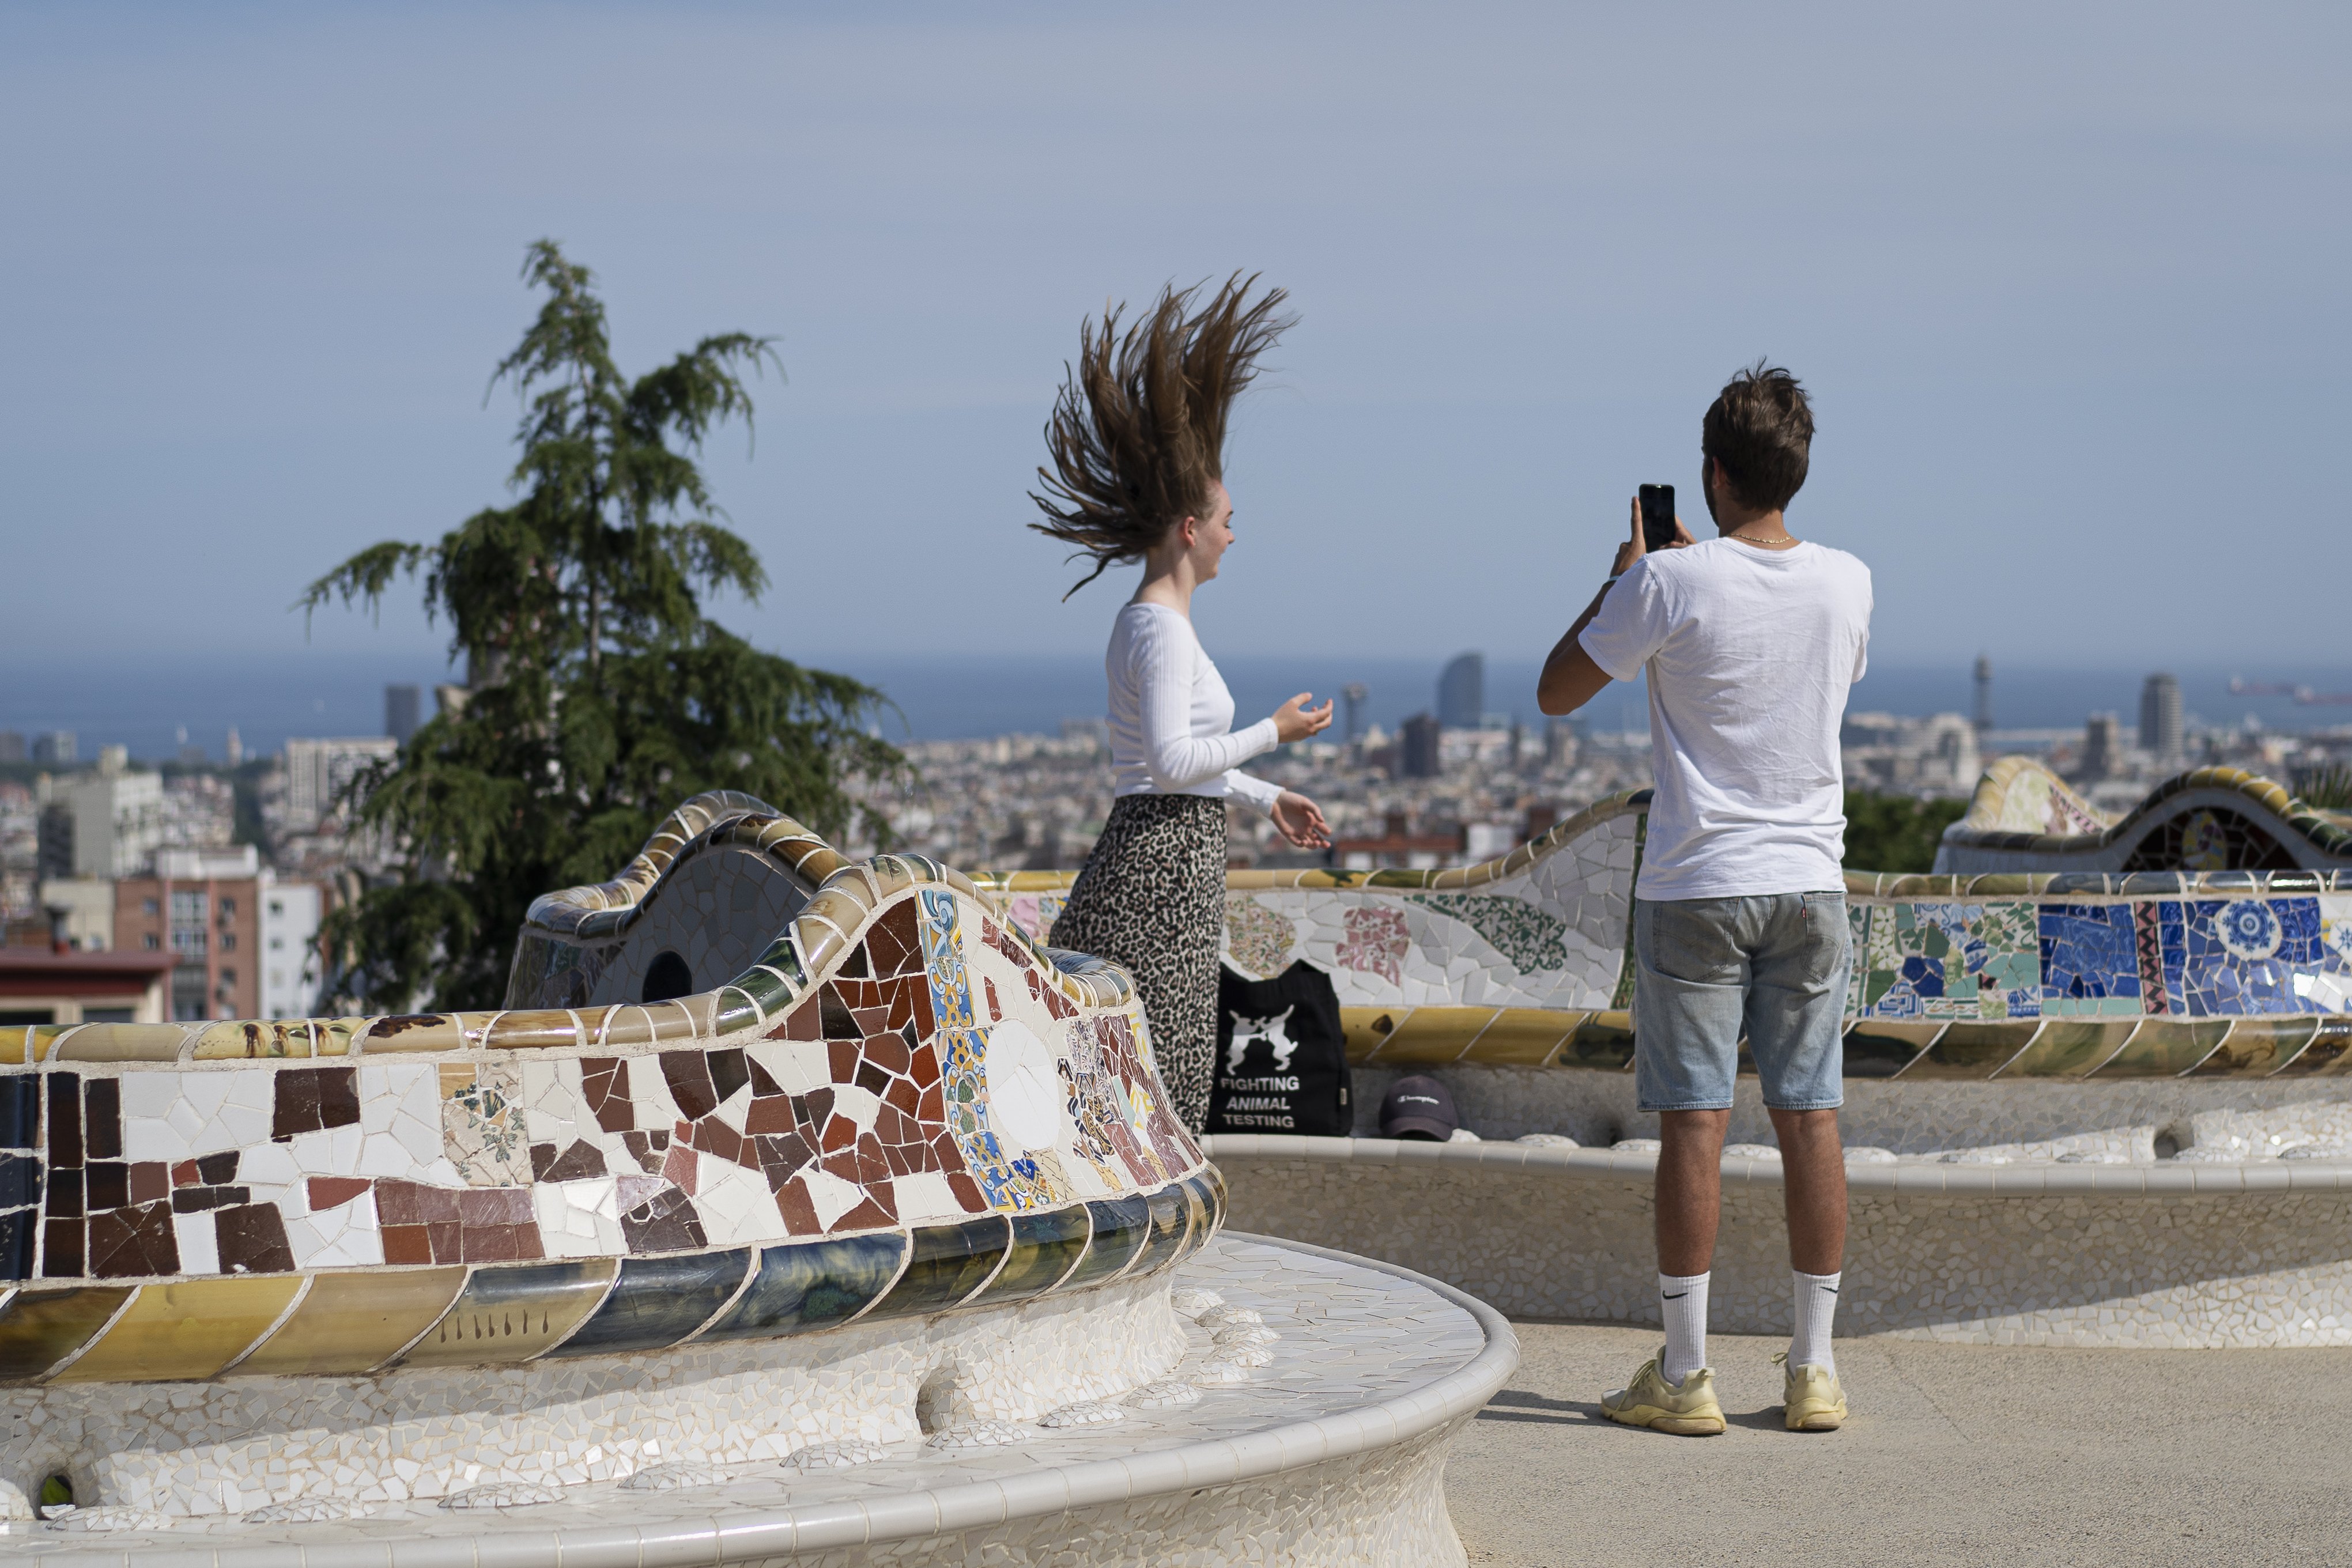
<point x="1282" y="1060"/>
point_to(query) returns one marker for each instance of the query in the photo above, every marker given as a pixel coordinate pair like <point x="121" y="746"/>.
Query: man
<point x="1750" y="642"/>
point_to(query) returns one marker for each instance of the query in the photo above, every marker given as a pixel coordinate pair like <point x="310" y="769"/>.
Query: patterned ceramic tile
<point x="1946" y="960"/>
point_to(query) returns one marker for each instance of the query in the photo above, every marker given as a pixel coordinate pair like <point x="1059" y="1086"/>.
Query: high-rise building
<point x="12" y="746"/>
<point x="118" y="822"/>
<point x="54" y="748"/>
<point x="2101" y="746"/>
<point x="1352" y="697"/>
<point x="400" y="712"/>
<point x="318" y="771"/>
<point x="1417" y="752"/>
<point x="2160" y="719"/>
<point x="1984" y="695"/>
<point x="1462" y="692"/>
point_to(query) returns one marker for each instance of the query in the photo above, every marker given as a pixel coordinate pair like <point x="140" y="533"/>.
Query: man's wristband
<point x="1612" y="582"/>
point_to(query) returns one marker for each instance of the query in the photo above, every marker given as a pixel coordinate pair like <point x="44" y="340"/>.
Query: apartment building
<point x="243" y="944"/>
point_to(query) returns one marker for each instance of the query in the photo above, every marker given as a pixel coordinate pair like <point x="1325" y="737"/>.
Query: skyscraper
<point x="2160" y="719"/>
<point x="1462" y="692"/>
<point x="1984" y="695"/>
<point x="400" y="709"/>
<point x="1353" y="694"/>
<point x="2101" y="746"/>
<point x="1417" y="754"/>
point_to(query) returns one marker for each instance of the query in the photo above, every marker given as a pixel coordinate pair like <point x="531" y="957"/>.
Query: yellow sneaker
<point x="1812" y="1400"/>
<point x="1690" y="1411"/>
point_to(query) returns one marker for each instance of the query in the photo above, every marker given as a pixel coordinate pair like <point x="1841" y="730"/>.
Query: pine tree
<point x="600" y="694"/>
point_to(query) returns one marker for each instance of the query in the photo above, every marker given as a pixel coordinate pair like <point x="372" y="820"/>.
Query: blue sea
<point x="146" y="704"/>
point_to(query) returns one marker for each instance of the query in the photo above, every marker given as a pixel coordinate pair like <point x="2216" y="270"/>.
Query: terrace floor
<point x="1954" y="1454"/>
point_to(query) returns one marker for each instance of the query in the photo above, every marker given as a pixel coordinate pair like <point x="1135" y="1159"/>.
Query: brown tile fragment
<point x="102" y="1120"/>
<point x="150" y="1180"/>
<point x="730" y="1070"/>
<point x="889" y="1052"/>
<point x="252" y="1239"/>
<point x="688" y="1075"/>
<point x="218" y="1169"/>
<point x="582" y="1160"/>
<point x="604" y="1082"/>
<point x="333" y="1192"/>
<point x="131" y="1242"/>
<point x="769" y="1114"/>
<point x="61" y="1249"/>
<point x="866" y="1215"/>
<point x="967" y="1192"/>
<point x="800" y="1214"/>
<point x="448" y="1239"/>
<point x="406" y="1244"/>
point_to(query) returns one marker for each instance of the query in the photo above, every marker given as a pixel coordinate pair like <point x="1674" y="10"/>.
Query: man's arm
<point x="1570" y="678"/>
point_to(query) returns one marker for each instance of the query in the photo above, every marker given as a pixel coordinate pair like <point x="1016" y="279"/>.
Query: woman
<point x="1138" y="438"/>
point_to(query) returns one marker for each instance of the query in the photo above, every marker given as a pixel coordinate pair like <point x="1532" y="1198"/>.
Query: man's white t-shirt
<point x="1749" y="654"/>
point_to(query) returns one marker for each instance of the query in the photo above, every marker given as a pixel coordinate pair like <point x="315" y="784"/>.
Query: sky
<point x="2066" y="282"/>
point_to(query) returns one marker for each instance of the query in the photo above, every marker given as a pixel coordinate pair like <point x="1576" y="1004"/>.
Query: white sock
<point x="1817" y="1299"/>
<point x="1681" y="1298"/>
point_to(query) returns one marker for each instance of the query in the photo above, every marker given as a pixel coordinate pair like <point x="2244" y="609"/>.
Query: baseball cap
<point x="1418" y="1107"/>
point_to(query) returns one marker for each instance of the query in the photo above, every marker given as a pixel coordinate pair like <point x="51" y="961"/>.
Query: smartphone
<point x="1657" y="517"/>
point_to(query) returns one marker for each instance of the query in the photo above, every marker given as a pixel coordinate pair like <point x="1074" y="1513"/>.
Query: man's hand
<point x="1570" y="678"/>
<point x="1300" y="820"/>
<point x="1634" y="548"/>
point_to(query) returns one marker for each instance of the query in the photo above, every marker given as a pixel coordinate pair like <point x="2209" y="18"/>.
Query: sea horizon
<point x="144" y="704"/>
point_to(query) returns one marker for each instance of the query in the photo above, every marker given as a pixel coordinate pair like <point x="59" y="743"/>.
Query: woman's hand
<point x="1294" y="720"/>
<point x="1299" y="820"/>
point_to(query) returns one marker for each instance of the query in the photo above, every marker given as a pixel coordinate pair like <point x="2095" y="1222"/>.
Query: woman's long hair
<point x="1137" y="434"/>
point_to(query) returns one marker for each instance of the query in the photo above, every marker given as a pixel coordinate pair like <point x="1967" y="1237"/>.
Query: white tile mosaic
<point x="1333" y="1455"/>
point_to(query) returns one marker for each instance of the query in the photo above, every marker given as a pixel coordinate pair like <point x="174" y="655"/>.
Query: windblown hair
<point x="1760" y="428"/>
<point x="1137" y="434"/>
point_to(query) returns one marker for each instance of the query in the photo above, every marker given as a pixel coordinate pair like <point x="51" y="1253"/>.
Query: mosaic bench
<point x="901" y="1167"/>
<point x="2022" y="1020"/>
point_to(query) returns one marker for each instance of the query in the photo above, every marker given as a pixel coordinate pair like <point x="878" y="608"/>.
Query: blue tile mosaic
<point x="2243" y="954"/>
<point x="2090" y="963"/>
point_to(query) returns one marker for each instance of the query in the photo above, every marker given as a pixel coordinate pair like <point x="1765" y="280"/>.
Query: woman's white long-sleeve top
<point x="1172" y="718"/>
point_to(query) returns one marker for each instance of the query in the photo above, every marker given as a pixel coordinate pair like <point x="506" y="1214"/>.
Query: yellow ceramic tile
<point x="2256" y="1047"/>
<point x="1524" y="1037"/>
<point x="1431" y="1037"/>
<point x="533" y="1031"/>
<point x="2164" y="1048"/>
<point x="1973" y="1050"/>
<point x="124" y="1043"/>
<point x="412" y="1031"/>
<point x="2070" y="1047"/>
<point x="252" y="1039"/>
<point x="39" y="1329"/>
<point x="1604" y="1040"/>
<point x="186" y="1331"/>
<point x="1367" y="1028"/>
<point x="352" y="1323"/>
<point x="2329" y="1054"/>
<point x="513" y="1311"/>
<point x="628" y="1025"/>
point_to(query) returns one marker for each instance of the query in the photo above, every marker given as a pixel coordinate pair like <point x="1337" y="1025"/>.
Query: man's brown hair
<point x="1760" y="428"/>
<point x="1138" y="434"/>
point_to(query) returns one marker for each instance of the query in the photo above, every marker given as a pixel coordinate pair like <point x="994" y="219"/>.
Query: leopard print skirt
<point x="1152" y="900"/>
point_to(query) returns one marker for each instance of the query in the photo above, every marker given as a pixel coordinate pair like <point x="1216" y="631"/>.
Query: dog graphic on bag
<point x="1274" y="1032"/>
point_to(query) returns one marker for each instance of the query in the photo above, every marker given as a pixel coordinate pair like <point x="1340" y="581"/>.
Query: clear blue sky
<point x="2068" y="282"/>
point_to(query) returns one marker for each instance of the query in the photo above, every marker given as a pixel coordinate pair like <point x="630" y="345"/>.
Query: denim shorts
<point x="1773" y="967"/>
